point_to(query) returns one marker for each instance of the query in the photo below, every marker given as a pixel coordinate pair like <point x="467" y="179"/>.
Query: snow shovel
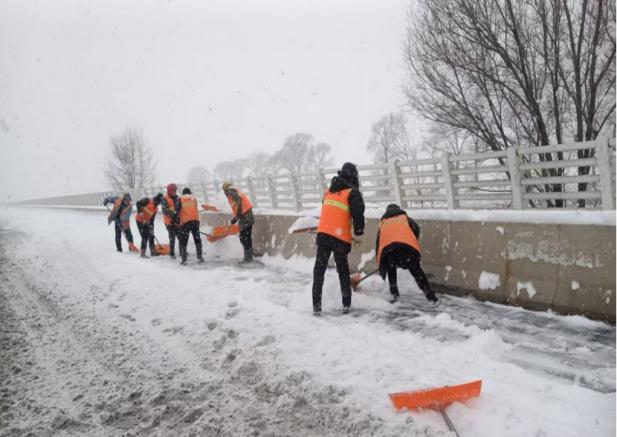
<point x="437" y="399"/>
<point x="208" y="207"/>
<point x="310" y="230"/>
<point x="220" y="232"/>
<point x="161" y="249"/>
<point x="356" y="278"/>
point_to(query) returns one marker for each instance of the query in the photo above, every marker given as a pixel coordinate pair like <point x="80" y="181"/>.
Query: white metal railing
<point x="516" y="178"/>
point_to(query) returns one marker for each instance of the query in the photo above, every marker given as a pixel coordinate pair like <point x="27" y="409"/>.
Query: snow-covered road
<point x="93" y="342"/>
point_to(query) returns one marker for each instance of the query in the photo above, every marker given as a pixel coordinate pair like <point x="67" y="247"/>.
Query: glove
<point x="233" y="220"/>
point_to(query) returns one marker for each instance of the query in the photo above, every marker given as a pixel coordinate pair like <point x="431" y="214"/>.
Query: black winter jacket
<point x="356" y="208"/>
<point x="395" y="251"/>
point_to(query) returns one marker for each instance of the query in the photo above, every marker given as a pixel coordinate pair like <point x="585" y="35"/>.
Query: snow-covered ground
<point x="95" y="342"/>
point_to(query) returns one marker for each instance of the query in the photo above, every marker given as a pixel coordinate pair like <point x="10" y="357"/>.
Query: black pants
<point x="411" y="263"/>
<point x="191" y="227"/>
<point x="146" y="231"/>
<point x="127" y="233"/>
<point x="246" y="240"/>
<point x="342" y="267"/>
<point x="172" y="231"/>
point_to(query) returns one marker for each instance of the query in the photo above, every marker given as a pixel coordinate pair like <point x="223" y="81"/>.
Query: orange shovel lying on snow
<point x="219" y="232"/>
<point x="437" y="398"/>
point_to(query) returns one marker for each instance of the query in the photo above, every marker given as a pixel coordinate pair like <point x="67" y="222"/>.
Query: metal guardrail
<point x="516" y="178"/>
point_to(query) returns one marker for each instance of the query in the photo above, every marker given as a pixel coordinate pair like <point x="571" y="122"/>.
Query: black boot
<point x="248" y="256"/>
<point x="316" y="309"/>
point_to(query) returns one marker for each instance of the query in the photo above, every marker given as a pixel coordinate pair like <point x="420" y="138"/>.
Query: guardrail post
<point x="251" y="189"/>
<point x="295" y="191"/>
<point x="447" y="180"/>
<point x="204" y="191"/>
<point x="272" y="191"/>
<point x="322" y="184"/>
<point x="515" y="177"/>
<point x="395" y="180"/>
<point x="604" y="169"/>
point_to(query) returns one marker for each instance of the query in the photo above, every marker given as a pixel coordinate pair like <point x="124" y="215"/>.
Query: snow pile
<point x="123" y="345"/>
<point x="488" y="281"/>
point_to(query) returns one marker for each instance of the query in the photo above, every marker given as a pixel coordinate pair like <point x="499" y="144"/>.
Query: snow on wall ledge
<point x="531" y="262"/>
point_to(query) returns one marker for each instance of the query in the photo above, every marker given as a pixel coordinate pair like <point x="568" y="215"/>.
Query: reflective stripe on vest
<point x="246" y="203"/>
<point x="335" y="217"/>
<point x="189" y="211"/>
<point x="147" y="212"/>
<point x="395" y="230"/>
<point x="170" y="207"/>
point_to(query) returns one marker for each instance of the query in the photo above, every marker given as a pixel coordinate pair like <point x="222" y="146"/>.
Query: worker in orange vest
<point x="242" y="211"/>
<point x="397" y="246"/>
<point x="120" y="214"/>
<point x="342" y="205"/>
<point x="146" y="213"/>
<point x="171" y="207"/>
<point x="189" y="224"/>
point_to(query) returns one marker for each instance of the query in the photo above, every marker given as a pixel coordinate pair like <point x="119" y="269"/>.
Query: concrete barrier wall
<point x="567" y="268"/>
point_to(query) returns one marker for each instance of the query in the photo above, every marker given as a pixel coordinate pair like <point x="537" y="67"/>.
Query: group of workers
<point x="181" y="219"/>
<point x="342" y="209"/>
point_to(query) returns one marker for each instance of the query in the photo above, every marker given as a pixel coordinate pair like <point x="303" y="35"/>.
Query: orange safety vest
<point x="147" y="212"/>
<point x="246" y="203"/>
<point x="395" y="230"/>
<point x="170" y="207"/>
<point x="189" y="211"/>
<point x="335" y="218"/>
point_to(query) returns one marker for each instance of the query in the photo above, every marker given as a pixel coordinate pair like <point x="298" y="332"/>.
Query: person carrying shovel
<point x="397" y="246"/>
<point x="146" y="213"/>
<point x="342" y="205"/>
<point x="242" y="211"/>
<point x="120" y="214"/>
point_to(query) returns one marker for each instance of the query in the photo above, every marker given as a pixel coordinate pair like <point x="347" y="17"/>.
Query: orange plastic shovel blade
<point x="207" y="207"/>
<point x="162" y="249"/>
<point x="220" y="232"/>
<point x="435" y="397"/>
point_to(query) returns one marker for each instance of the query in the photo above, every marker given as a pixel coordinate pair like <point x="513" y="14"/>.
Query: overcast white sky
<point x="205" y="80"/>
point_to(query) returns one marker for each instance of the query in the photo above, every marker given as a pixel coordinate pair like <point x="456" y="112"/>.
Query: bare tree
<point x="231" y="170"/>
<point x="132" y="164"/>
<point x="318" y="156"/>
<point x="293" y="154"/>
<point x="198" y="175"/>
<point x="388" y="134"/>
<point x="259" y="164"/>
<point x="529" y="72"/>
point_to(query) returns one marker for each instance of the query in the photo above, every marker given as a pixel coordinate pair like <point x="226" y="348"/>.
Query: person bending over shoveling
<point x="397" y="246"/>
<point x="120" y="214"/>
<point x="342" y="203"/>
<point x="242" y="214"/>
<point x="146" y="213"/>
